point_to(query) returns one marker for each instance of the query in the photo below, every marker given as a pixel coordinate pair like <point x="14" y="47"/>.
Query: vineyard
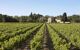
<point x="39" y="36"/>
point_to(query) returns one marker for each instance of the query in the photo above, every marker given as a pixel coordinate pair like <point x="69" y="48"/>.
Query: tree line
<point x="31" y="18"/>
<point x="38" y="18"/>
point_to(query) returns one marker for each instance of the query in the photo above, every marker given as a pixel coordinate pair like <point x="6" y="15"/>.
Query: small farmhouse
<point x="49" y="20"/>
<point x="58" y="21"/>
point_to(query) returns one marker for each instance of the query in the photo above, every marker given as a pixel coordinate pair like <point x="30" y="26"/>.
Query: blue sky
<point x="44" y="7"/>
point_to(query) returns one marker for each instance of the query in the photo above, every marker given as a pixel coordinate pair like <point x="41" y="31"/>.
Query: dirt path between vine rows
<point x="47" y="42"/>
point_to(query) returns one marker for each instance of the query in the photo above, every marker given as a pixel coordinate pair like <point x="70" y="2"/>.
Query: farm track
<point x="72" y="47"/>
<point x="47" y="42"/>
<point x="26" y="44"/>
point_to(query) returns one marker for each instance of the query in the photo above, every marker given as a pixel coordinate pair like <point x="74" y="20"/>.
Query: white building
<point x="58" y="21"/>
<point x="49" y="20"/>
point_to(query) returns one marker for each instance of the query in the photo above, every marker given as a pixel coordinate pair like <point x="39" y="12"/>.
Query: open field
<point x="39" y="36"/>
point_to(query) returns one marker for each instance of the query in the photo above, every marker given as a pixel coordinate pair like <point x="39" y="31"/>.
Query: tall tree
<point x="64" y="17"/>
<point x="31" y="16"/>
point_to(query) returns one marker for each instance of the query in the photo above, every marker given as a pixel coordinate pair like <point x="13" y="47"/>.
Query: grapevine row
<point x="36" y="42"/>
<point x="9" y="44"/>
<point x="58" y="42"/>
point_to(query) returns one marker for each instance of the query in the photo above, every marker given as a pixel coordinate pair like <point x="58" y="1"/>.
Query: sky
<point x="44" y="7"/>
